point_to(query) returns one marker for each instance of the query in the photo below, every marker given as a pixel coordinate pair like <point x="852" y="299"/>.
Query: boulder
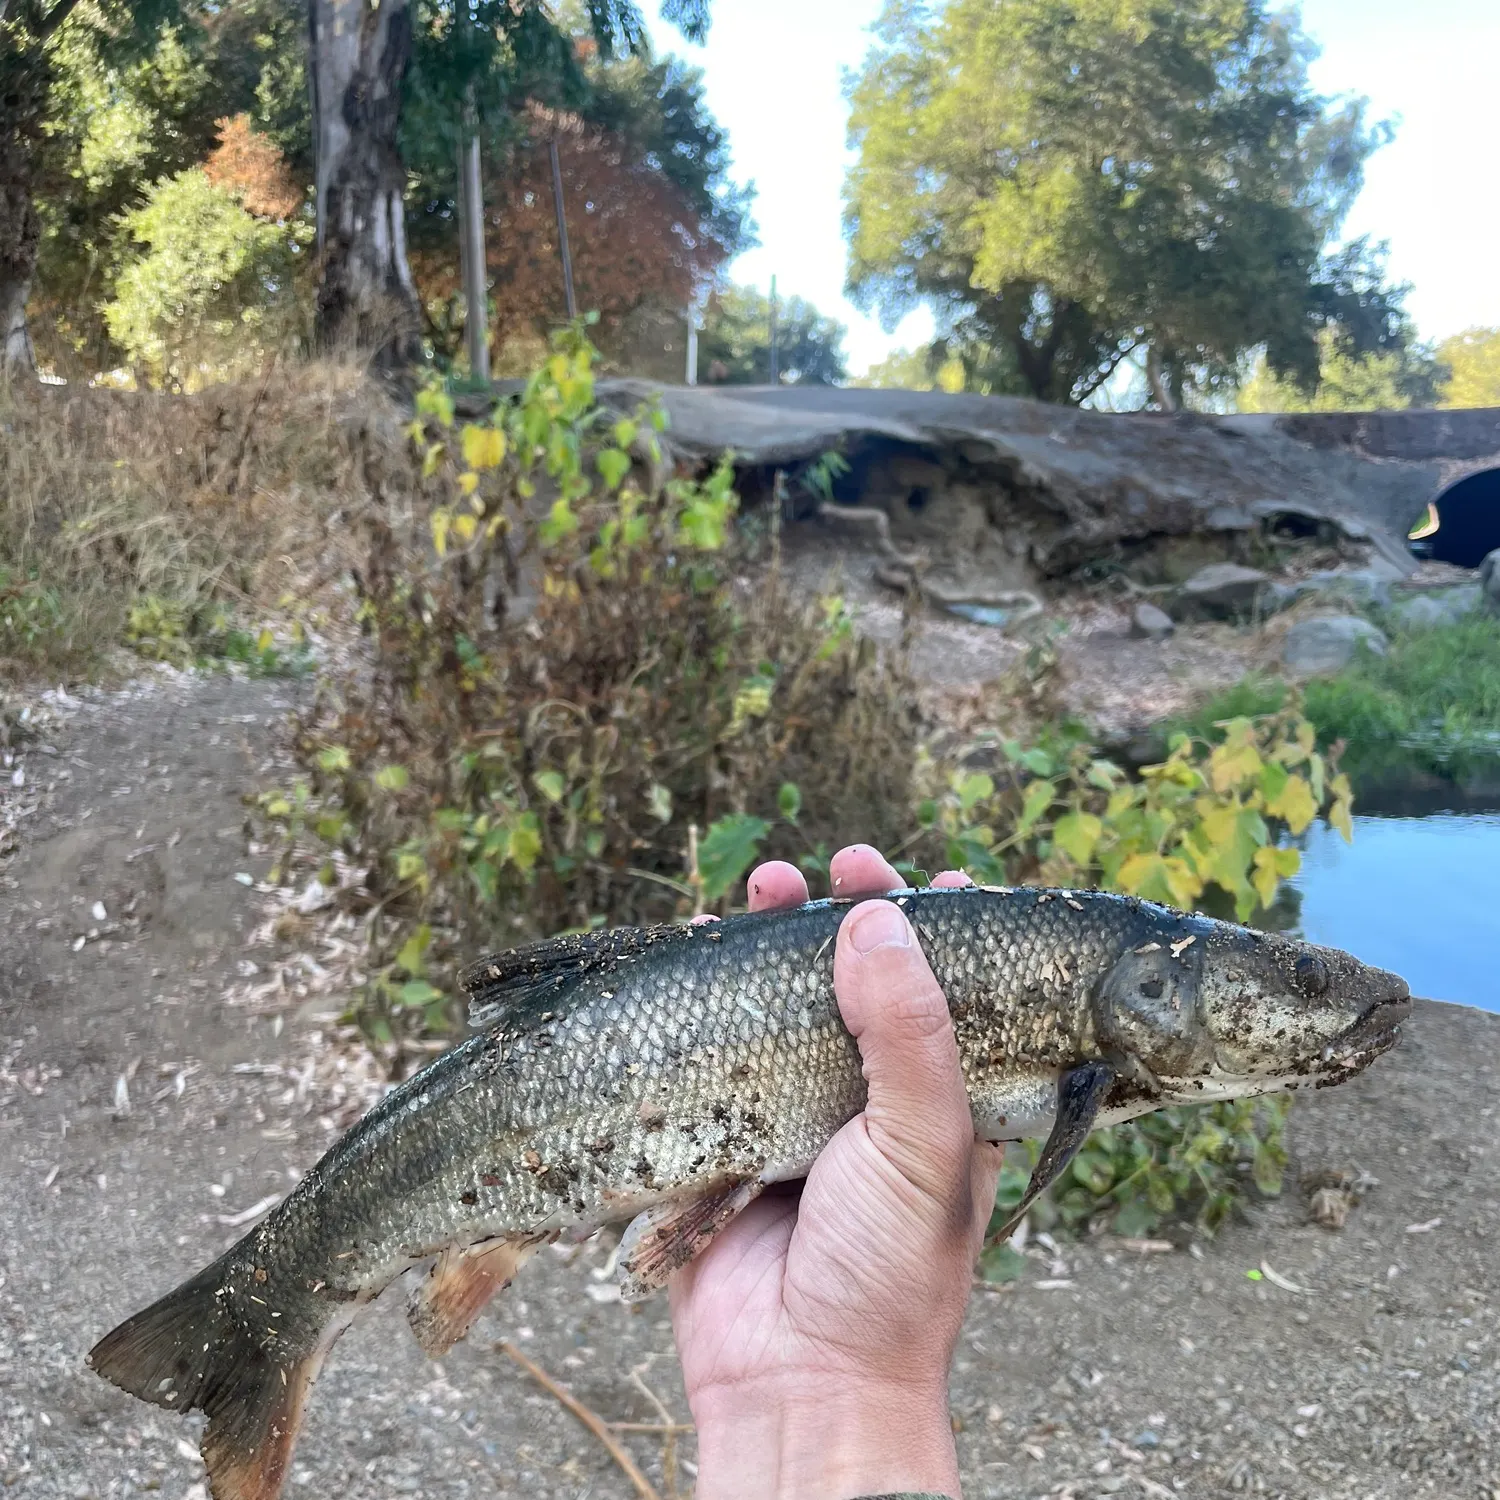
<point x="1424" y="611"/>
<point x="1327" y="643"/>
<point x="1489" y="581"/>
<point x="1147" y="622"/>
<point x="1364" y="586"/>
<point x="1220" y="591"/>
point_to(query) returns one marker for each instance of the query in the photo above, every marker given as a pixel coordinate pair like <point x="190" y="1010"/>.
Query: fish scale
<point x="662" y="1076"/>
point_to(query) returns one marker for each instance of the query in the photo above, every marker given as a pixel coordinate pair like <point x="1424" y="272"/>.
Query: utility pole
<point x="562" y="231"/>
<point x="476" y="280"/>
<point x="775" y="362"/>
<point x="692" y="343"/>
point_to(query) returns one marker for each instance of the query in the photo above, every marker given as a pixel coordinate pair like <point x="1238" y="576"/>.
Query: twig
<point x="669" y="1436"/>
<point x="594" y="1423"/>
<point x="695" y="875"/>
<point x="652" y="1427"/>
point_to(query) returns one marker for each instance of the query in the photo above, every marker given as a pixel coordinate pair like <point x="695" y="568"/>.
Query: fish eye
<point x="1312" y="975"/>
<point x="1152" y="988"/>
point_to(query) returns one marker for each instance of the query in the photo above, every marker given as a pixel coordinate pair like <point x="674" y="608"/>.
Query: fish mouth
<point x="1377" y="1031"/>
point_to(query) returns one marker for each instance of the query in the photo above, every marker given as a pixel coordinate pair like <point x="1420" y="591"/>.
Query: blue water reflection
<point x="1420" y="896"/>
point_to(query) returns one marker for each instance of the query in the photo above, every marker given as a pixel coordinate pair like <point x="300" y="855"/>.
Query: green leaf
<point x="1039" y="797"/>
<point x="413" y="955"/>
<point x="999" y="1264"/>
<point x="416" y="993"/>
<point x="1077" y="834"/>
<point x="789" y="800"/>
<point x="334" y="758"/>
<point x="550" y="784"/>
<point x="614" y="465"/>
<point x="727" y="850"/>
<point x="392" y="778"/>
<point x="659" y="800"/>
<point x="974" y="788"/>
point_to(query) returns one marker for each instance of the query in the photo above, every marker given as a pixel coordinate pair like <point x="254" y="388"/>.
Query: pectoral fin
<point x="665" y="1238"/>
<point x="1080" y="1092"/>
<point x="444" y="1307"/>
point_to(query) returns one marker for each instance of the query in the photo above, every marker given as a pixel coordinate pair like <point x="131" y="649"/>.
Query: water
<point x="1417" y="895"/>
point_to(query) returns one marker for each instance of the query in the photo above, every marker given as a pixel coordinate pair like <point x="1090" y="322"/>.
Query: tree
<point x="472" y="56"/>
<point x="120" y="119"/>
<point x="216" y="288"/>
<point x="30" y="33"/>
<point x="652" y="216"/>
<point x="734" y="347"/>
<point x="1347" y="381"/>
<point x="1070" y="181"/>
<point x="1472" y="359"/>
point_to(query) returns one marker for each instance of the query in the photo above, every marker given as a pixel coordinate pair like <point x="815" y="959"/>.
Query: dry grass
<point x="235" y="496"/>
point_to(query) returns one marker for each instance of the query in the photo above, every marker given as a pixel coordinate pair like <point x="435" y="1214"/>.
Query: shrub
<point x="573" y="677"/>
<point x="585" y="704"/>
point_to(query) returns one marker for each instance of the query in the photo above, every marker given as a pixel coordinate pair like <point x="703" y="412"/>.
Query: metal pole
<point x="775" y="362"/>
<point x="476" y="280"/>
<point x="692" y="343"/>
<point x="562" y="232"/>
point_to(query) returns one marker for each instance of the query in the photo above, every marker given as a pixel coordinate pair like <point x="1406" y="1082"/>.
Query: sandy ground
<point x="1102" y="1372"/>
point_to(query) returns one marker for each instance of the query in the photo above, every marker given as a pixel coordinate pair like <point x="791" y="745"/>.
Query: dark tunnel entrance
<point x="1467" y="516"/>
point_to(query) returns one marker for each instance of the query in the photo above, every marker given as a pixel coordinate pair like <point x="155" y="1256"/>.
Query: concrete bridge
<point x="1062" y="485"/>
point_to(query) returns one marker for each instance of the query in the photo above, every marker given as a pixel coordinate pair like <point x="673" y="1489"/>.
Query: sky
<point x="774" y="70"/>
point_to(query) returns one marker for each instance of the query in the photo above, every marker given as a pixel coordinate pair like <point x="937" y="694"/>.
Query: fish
<point x="660" y="1078"/>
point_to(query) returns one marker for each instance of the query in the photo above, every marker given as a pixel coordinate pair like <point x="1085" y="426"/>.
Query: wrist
<point x="824" y="1439"/>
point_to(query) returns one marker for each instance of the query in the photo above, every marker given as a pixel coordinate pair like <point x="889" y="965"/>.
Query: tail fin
<point x="190" y="1351"/>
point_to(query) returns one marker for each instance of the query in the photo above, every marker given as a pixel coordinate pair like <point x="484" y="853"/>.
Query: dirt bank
<point x="1102" y="1372"/>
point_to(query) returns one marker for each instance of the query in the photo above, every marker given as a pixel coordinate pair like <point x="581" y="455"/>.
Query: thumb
<point x="918" y="1112"/>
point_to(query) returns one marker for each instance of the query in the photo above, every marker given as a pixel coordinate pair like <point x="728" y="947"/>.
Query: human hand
<point x="816" y="1331"/>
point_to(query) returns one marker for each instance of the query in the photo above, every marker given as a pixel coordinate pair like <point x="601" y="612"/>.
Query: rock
<point x="1221" y="591"/>
<point x="1489" y="581"/>
<point x="1367" y="585"/>
<point x="1327" y="643"/>
<point x="1424" y="611"/>
<point x="1150" y="623"/>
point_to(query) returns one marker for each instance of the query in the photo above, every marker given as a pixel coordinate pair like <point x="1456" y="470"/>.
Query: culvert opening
<point x="1462" y="526"/>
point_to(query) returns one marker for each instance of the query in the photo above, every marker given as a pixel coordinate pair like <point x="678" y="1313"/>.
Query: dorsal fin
<point x="516" y="986"/>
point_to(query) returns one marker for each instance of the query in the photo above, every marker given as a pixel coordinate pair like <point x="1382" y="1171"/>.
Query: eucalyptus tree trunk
<point x="25" y="79"/>
<point x="359" y="52"/>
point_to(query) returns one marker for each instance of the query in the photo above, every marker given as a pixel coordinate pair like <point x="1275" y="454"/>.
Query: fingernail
<point x="880" y="925"/>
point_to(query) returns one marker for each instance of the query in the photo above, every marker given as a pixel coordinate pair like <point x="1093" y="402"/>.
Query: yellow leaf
<point x="440" y="522"/>
<point x="1232" y="764"/>
<point x="1272" y="866"/>
<point x="431" y="459"/>
<point x="1339" y="816"/>
<point x="265" y="640"/>
<point x="468" y="483"/>
<point x="465" y="526"/>
<point x="484" y="447"/>
<point x="1294" y="804"/>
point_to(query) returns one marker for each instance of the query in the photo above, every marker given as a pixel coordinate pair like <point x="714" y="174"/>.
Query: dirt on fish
<point x="1105" y="1370"/>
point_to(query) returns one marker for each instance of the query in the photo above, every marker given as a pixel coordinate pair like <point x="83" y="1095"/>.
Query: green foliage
<point x="215" y="291"/>
<point x="734" y="347"/>
<point x="187" y="634"/>
<point x="1206" y="820"/>
<point x="1432" y="703"/>
<point x="31" y="613"/>
<point x="568" y="686"/>
<point x="1375" y="381"/>
<point x="1196" y="1162"/>
<point x="1472" y="359"/>
<point x="1070" y="183"/>
<point x="1433" y="700"/>
<point x="120" y="120"/>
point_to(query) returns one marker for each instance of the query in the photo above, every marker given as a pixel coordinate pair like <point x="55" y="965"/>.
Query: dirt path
<point x="1103" y="1372"/>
